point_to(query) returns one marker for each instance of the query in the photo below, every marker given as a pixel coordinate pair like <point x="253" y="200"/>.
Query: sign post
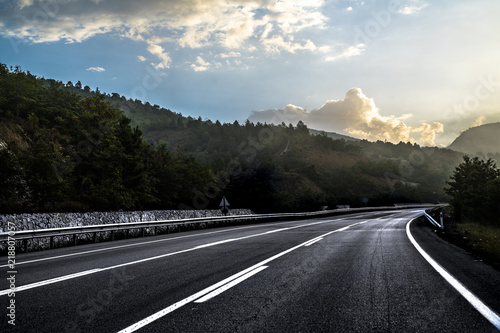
<point x="224" y="204"/>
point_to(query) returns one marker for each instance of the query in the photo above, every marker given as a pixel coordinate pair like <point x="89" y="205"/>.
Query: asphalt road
<point x="352" y="273"/>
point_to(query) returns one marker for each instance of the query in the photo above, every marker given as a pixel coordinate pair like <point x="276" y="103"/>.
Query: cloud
<point x="96" y="69"/>
<point x="141" y="58"/>
<point x="276" y="44"/>
<point x="479" y="121"/>
<point x="410" y="10"/>
<point x="202" y="65"/>
<point x="412" y="7"/>
<point x="158" y="51"/>
<point x="355" y="115"/>
<point x="230" y="55"/>
<point x="233" y="24"/>
<point x="349" y="52"/>
<point x="25" y="3"/>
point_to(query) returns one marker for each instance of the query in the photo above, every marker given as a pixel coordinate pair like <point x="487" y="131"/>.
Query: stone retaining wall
<point x="59" y="220"/>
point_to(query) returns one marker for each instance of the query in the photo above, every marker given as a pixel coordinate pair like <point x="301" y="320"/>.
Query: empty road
<point x="350" y="273"/>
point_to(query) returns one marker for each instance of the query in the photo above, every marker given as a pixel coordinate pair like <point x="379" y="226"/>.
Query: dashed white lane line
<point x="200" y="295"/>
<point x="488" y="313"/>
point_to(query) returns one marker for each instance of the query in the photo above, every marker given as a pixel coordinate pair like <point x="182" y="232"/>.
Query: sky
<point x="395" y="70"/>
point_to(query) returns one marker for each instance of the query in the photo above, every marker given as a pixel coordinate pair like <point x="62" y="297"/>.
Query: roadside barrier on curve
<point x="153" y="227"/>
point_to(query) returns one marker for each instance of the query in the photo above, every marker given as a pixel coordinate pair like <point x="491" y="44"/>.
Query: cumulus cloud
<point x="96" y="69"/>
<point x="272" y="26"/>
<point x="201" y="65"/>
<point x="355" y="115"/>
<point x="158" y="51"/>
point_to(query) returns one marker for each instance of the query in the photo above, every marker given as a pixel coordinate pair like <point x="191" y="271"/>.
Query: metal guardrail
<point x="193" y="223"/>
<point x="435" y="223"/>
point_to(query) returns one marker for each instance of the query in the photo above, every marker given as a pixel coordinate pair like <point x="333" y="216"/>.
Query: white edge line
<point x="230" y="285"/>
<point x="488" y="313"/>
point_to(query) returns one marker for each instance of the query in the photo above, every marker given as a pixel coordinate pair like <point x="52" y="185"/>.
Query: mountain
<point x="333" y="135"/>
<point x="478" y="141"/>
<point x="64" y="147"/>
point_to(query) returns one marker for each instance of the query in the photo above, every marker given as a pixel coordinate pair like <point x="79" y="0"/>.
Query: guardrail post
<point x="25" y="241"/>
<point x="154" y="231"/>
<point x="95" y="237"/>
<point x="112" y="235"/>
<point x="441" y="219"/>
<point x="51" y="242"/>
<point x="75" y="239"/>
<point x="127" y="233"/>
<point x="143" y="232"/>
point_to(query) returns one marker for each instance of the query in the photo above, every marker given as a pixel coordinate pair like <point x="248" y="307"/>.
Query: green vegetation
<point x="60" y="151"/>
<point x="482" y="240"/>
<point x="474" y="189"/>
<point x="475" y="207"/>
<point x="65" y="147"/>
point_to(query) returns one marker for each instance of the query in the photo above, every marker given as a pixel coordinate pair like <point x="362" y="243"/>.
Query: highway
<point x="349" y="273"/>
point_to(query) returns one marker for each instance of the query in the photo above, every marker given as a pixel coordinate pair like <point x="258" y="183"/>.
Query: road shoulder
<point x="479" y="277"/>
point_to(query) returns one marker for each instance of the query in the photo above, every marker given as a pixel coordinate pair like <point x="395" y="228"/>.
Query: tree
<point x="474" y="189"/>
<point x="15" y="192"/>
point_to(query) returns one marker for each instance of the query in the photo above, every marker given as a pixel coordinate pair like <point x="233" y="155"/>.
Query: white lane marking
<point x="75" y="275"/>
<point x="488" y="313"/>
<point x="175" y="306"/>
<point x="92" y="271"/>
<point x="313" y="241"/>
<point x="46" y="282"/>
<point x="216" y="243"/>
<point x="158" y="240"/>
<point x="183" y="302"/>
<point x="229" y="285"/>
<point x="277" y="230"/>
<point x="122" y="246"/>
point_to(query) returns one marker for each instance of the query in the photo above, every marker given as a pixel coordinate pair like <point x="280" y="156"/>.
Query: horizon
<point x="390" y="70"/>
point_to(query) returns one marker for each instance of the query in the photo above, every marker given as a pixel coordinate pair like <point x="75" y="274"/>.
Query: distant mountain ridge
<point x="480" y="140"/>
<point x="333" y="135"/>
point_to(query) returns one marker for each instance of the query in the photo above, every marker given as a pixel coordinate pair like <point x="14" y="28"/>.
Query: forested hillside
<point x="61" y="152"/>
<point x="67" y="147"/>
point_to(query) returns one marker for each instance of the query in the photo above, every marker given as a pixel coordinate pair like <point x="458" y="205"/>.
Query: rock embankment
<point x="59" y="220"/>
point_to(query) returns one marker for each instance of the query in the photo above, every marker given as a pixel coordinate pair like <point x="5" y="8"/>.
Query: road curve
<point x="352" y="273"/>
